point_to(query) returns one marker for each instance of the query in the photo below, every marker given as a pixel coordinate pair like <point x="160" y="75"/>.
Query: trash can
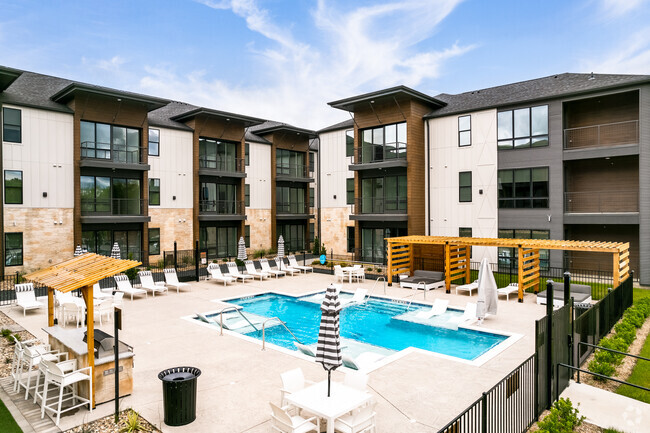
<point x="179" y="394"/>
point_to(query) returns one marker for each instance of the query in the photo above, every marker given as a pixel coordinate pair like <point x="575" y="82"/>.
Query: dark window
<point x="154" y="142"/>
<point x="349" y="186"/>
<point x="154" y="242"/>
<point x="383" y="143"/>
<point x="247" y="235"/>
<point x="349" y="142"/>
<point x="523" y="188"/>
<point x="350" y="239"/>
<point x="13" y="187"/>
<point x="13" y="249"/>
<point x="246" y="154"/>
<point x="523" y="128"/>
<point x="464" y="131"/>
<point x="247" y="195"/>
<point x="154" y="192"/>
<point x="311" y="162"/>
<point x="11" y="125"/>
<point x="508" y="256"/>
<point x="311" y="197"/>
<point x="465" y="186"/>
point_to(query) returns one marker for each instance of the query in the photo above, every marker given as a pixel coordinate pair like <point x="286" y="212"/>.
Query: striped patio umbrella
<point x="115" y="252"/>
<point x="241" y="249"/>
<point x="328" y="348"/>
<point x="78" y="251"/>
<point x="281" y="249"/>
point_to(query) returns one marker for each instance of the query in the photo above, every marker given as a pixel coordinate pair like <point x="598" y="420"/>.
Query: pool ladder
<point x="228" y="309"/>
<point x="281" y="323"/>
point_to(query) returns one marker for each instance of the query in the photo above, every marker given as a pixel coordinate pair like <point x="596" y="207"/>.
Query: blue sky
<point x="284" y="60"/>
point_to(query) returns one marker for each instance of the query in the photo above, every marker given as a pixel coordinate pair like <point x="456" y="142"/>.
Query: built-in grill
<point x="104" y="344"/>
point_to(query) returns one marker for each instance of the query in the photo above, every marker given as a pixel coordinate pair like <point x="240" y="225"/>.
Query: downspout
<point x="427" y="193"/>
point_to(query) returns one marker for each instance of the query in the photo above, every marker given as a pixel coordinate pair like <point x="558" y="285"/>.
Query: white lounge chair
<point x="214" y="272"/>
<point x="267" y="268"/>
<point x="98" y="294"/>
<point x="358" y="298"/>
<point x="146" y="282"/>
<point x="507" y="290"/>
<point x="284" y="422"/>
<point x="468" y="287"/>
<point x="294" y="264"/>
<point x="233" y="270"/>
<point x="362" y="362"/>
<point x="124" y="285"/>
<point x="171" y="279"/>
<point x="282" y="266"/>
<point x="439" y="307"/>
<point x="468" y="315"/>
<point x="26" y="297"/>
<point x="250" y="270"/>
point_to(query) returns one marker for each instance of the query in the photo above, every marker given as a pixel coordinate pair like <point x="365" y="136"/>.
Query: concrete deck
<point x="419" y="392"/>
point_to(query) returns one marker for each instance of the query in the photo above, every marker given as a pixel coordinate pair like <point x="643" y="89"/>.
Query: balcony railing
<point x="608" y="134"/>
<point x="222" y="207"/>
<point x="118" y="153"/>
<point x="379" y="205"/>
<point x="601" y="201"/>
<point x="231" y="165"/>
<point x="291" y="208"/>
<point x="370" y="153"/>
<point x="297" y="171"/>
<point x="113" y="206"/>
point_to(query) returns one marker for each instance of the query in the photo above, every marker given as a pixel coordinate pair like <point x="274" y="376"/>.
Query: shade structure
<point x="241" y="249"/>
<point x="328" y="348"/>
<point x="115" y="251"/>
<point x="487" y="291"/>
<point x="78" y="251"/>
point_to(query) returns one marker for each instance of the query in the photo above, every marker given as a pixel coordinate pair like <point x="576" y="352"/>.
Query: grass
<point x="7" y="423"/>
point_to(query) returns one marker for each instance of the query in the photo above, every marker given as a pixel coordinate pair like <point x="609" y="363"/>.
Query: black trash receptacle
<point x="179" y="394"/>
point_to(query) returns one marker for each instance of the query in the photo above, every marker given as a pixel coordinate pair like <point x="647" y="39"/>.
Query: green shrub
<point x="634" y="316"/>
<point x="604" y="368"/>
<point x="563" y="418"/>
<point x="626" y="331"/>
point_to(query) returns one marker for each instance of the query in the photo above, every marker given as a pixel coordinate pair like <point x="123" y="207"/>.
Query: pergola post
<point x="87" y="293"/>
<point x="447" y="269"/>
<point x="50" y="306"/>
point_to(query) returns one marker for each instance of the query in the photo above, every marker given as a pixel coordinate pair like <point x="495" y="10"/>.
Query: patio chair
<point x="292" y="381"/>
<point x="469" y="314"/>
<point x="356" y="380"/>
<point x="124" y="285"/>
<point x="146" y="282"/>
<point x="98" y="294"/>
<point x="294" y="264"/>
<point x="358" y="298"/>
<point x="250" y="270"/>
<point x="279" y="263"/>
<point x="362" y="362"/>
<point x="233" y="270"/>
<point x="439" y="307"/>
<point x="171" y="279"/>
<point x="468" y="287"/>
<point x="26" y="297"/>
<point x="359" y="421"/>
<point x="55" y="374"/>
<point x="507" y="290"/>
<point x="267" y="268"/>
<point x="214" y="272"/>
<point x="284" y="422"/>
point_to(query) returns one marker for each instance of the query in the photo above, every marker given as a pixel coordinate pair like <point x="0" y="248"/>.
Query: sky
<point x="285" y="60"/>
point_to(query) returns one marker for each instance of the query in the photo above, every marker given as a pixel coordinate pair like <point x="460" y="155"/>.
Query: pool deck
<point x="418" y="392"/>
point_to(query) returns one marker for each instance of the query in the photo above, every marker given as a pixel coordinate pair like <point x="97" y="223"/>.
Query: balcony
<point x="603" y="135"/>
<point x="110" y="155"/>
<point x="371" y="156"/>
<point x="601" y="207"/>
<point x="292" y="173"/>
<point x="222" y="167"/>
<point x="114" y="210"/>
<point x="285" y="210"/>
<point x="221" y="210"/>
<point x="379" y="209"/>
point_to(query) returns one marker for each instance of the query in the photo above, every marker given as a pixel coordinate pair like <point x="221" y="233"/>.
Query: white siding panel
<point x="334" y="170"/>
<point x="258" y="175"/>
<point x="174" y="168"/>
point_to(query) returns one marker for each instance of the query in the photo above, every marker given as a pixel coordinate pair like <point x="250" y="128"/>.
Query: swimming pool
<point x="379" y="323"/>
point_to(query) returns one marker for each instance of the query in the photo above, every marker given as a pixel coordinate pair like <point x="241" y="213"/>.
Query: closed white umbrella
<point x="115" y="252"/>
<point x="328" y="348"/>
<point x="487" y="291"/>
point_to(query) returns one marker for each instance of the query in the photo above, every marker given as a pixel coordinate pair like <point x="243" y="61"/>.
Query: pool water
<point x="377" y="322"/>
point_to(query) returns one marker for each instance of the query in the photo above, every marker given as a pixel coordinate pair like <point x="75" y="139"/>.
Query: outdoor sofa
<point x="424" y="279"/>
<point x="579" y="292"/>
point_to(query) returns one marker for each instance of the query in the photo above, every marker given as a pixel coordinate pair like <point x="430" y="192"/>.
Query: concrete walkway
<point x="607" y="409"/>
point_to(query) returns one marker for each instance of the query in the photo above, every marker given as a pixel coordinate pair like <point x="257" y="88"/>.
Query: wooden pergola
<point x="401" y="256"/>
<point x="81" y="272"/>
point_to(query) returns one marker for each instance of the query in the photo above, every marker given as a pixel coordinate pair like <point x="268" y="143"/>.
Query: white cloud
<point x="631" y="57"/>
<point x="356" y="50"/>
<point x="616" y="8"/>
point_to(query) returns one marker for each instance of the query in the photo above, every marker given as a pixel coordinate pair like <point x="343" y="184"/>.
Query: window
<point x="115" y="143"/>
<point x="311" y="197"/>
<point x="349" y="187"/>
<point x="465" y="186"/>
<point x="247" y="235"/>
<point x="247" y="195"/>
<point x="154" y="242"/>
<point x="311" y="162"/>
<point x="11" y="125"/>
<point x="383" y="143"/>
<point x="523" y="128"/>
<point x="218" y="155"/>
<point x="349" y="142"/>
<point x="523" y="188"/>
<point x="13" y="187"/>
<point x="290" y="200"/>
<point x="350" y="239"/>
<point x="464" y="131"/>
<point x="508" y="256"/>
<point x="247" y="160"/>
<point x="154" y="192"/>
<point x="13" y="249"/>
<point x="154" y="142"/>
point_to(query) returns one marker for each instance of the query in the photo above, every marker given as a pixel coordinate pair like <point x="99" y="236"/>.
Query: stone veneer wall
<point x="334" y="221"/>
<point x="44" y="242"/>
<point x="171" y="230"/>
<point x="260" y="222"/>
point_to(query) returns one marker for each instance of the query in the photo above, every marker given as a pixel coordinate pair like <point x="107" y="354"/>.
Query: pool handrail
<point x="228" y="309"/>
<point x="281" y="323"/>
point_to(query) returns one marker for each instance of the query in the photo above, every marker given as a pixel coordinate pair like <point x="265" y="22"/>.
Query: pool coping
<point x="511" y="339"/>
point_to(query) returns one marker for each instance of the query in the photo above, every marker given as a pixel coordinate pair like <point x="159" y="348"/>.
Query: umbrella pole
<point x="329" y="378"/>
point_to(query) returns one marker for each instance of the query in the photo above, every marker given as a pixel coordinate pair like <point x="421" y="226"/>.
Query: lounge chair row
<point x="233" y="274"/>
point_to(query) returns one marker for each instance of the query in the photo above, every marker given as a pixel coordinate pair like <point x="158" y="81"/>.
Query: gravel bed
<point x="107" y="425"/>
<point x="6" y="348"/>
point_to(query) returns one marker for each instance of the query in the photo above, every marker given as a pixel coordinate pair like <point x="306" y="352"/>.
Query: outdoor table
<point x="342" y="400"/>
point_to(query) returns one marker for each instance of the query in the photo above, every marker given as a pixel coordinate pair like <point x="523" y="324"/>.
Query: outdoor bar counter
<point x="72" y="341"/>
